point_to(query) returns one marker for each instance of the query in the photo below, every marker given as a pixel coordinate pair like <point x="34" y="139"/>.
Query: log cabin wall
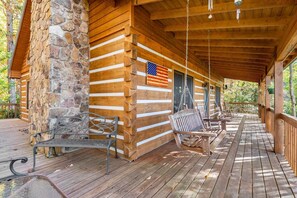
<point x="25" y="79"/>
<point x="154" y="104"/>
<point x="108" y="61"/>
<point x="122" y="40"/>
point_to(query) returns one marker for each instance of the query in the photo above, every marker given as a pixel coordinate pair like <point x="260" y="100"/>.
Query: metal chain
<point x="187" y="53"/>
<point x="208" y="72"/>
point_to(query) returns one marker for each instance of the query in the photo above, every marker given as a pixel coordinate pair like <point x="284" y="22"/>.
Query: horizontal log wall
<point x="107" y="54"/>
<point x="25" y="78"/>
<point x="199" y="92"/>
<point x="154" y="104"/>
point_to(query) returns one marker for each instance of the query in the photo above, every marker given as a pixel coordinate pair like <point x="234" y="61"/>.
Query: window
<point x="206" y="97"/>
<point x="218" y="96"/>
<point x="27" y="94"/>
<point x="178" y="90"/>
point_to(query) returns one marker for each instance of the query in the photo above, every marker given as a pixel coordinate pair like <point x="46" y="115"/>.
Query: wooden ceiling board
<point x="265" y="26"/>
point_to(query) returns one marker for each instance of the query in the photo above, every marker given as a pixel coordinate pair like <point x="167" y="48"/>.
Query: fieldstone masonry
<point x="59" y="59"/>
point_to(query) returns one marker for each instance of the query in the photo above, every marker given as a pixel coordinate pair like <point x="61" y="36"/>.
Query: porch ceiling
<point x="242" y="50"/>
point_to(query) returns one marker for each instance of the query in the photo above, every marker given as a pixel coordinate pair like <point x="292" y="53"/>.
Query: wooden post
<point x="267" y="105"/>
<point x="259" y="96"/>
<point x="278" y="108"/>
<point x="262" y="101"/>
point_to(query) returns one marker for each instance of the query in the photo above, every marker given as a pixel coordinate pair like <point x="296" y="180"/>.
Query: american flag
<point x="156" y="75"/>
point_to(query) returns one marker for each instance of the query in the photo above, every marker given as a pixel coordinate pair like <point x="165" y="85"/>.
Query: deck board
<point x="243" y="165"/>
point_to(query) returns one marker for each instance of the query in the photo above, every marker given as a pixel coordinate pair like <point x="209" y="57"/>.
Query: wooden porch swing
<point x="188" y="126"/>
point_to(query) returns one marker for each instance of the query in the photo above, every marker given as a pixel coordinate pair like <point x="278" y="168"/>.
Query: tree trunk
<point x="292" y="95"/>
<point x="10" y="46"/>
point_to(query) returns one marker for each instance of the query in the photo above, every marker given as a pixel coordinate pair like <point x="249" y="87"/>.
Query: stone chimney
<point x="59" y="60"/>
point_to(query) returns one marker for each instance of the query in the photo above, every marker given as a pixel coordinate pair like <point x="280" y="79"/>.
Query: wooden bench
<point x="76" y="135"/>
<point x="190" y="133"/>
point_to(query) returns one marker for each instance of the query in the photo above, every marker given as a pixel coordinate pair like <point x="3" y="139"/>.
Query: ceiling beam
<point x="233" y="60"/>
<point x="142" y="2"/>
<point x="289" y="40"/>
<point x="251" y="65"/>
<point x="252" y="74"/>
<point x="231" y="24"/>
<point x="217" y="67"/>
<point x="273" y="35"/>
<point x="234" y="43"/>
<point x="244" y="78"/>
<point x="249" y="74"/>
<point x="234" y="50"/>
<point x="220" y="8"/>
<point x="231" y="55"/>
<point x="243" y="64"/>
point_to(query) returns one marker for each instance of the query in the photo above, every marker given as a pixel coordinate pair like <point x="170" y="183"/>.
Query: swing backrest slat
<point x="186" y="120"/>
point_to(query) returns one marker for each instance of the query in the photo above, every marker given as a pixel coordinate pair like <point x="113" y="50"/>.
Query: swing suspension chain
<point x="208" y="72"/>
<point x="187" y="53"/>
<point x="186" y="90"/>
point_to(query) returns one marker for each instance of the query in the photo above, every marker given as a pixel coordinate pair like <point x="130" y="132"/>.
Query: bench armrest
<point x="11" y="166"/>
<point x="196" y="133"/>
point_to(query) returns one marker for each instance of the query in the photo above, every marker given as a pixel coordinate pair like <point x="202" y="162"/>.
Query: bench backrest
<point x="186" y="120"/>
<point x="79" y="126"/>
<point x="102" y="124"/>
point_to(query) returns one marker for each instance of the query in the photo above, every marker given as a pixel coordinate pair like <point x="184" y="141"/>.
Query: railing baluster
<point x="8" y="110"/>
<point x="290" y="126"/>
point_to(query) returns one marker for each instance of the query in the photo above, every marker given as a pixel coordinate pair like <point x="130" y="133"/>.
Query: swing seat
<point x="190" y="133"/>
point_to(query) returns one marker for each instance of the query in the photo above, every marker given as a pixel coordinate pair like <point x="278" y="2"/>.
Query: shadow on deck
<point x="243" y="165"/>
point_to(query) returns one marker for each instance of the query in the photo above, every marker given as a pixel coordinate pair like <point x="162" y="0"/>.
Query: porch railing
<point x="290" y="140"/>
<point x="8" y="110"/>
<point x="243" y="107"/>
<point x="290" y="133"/>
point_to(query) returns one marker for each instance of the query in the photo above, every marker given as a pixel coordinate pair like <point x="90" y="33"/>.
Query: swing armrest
<point x="196" y="133"/>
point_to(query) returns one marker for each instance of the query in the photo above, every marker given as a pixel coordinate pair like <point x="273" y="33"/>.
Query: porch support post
<point x="262" y="101"/>
<point x="278" y="108"/>
<point x="259" y="100"/>
<point x="267" y="105"/>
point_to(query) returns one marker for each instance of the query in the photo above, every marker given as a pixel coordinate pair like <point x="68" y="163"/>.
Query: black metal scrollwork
<point x="11" y="165"/>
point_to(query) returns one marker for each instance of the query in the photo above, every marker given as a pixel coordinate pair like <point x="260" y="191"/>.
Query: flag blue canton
<point x="151" y="68"/>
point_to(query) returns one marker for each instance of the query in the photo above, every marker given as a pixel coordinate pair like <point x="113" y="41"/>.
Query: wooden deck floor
<point x="242" y="166"/>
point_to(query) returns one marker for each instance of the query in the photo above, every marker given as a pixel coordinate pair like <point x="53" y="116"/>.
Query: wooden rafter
<point x="142" y="2"/>
<point x="263" y="51"/>
<point x="242" y="68"/>
<point x="237" y="65"/>
<point x="240" y="72"/>
<point x="274" y="35"/>
<point x="231" y="24"/>
<point x="236" y="60"/>
<point x="289" y="40"/>
<point x="221" y="8"/>
<point x="238" y="56"/>
<point x="249" y="74"/>
<point x="245" y="78"/>
<point x="235" y="43"/>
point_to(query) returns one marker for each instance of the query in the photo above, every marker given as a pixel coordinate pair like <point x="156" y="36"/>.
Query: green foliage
<point x="15" y="6"/>
<point x="4" y="113"/>
<point x="287" y="99"/>
<point x="240" y="91"/>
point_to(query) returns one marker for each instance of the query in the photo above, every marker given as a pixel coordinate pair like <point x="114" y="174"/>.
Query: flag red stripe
<point x="157" y="78"/>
